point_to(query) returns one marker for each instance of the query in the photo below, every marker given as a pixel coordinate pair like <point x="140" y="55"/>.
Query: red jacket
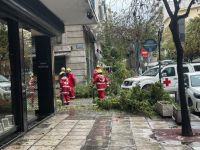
<point x="101" y="82"/>
<point x="95" y="73"/>
<point x="72" y="80"/>
<point x="64" y="85"/>
<point x="32" y="84"/>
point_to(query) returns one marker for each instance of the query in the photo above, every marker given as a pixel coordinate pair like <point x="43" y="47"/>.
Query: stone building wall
<point x="74" y="39"/>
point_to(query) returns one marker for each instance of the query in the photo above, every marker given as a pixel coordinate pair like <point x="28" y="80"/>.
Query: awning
<point x="72" y="12"/>
<point x="33" y="13"/>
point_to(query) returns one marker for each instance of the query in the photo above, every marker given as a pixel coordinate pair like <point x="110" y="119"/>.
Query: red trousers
<point x="101" y="94"/>
<point x="65" y="97"/>
<point x="72" y="93"/>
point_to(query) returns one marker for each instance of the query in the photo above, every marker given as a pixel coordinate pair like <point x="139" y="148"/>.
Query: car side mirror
<point x="186" y="85"/>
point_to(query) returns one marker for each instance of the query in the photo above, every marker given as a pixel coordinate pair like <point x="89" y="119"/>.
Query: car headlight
<point x="197" y="95"/>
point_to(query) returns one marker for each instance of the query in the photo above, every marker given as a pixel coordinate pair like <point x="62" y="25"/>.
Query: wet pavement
<point x="82" y="126"/>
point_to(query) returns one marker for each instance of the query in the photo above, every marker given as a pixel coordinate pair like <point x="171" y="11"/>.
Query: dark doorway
<point x="59" y="63"/>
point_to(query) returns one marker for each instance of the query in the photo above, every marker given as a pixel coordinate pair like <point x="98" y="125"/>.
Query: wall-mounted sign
<point x="150" y="45"/>
<point x="43" y="65"/>
<point x="80" y="46"/>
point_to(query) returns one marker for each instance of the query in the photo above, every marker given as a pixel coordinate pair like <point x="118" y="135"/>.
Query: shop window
<point x="29" y="74"/>
<point x="6" y="113"/>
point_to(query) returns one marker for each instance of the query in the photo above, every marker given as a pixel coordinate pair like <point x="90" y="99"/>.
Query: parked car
<point x="169" y="77"/>
<point x="5" y="88"/>
<point x="192" y="86"/>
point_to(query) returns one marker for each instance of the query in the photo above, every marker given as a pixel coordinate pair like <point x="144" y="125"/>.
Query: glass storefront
<point x="6" y="108"/>
<point x="26" y="77"/>
<point x="29" y="76"/>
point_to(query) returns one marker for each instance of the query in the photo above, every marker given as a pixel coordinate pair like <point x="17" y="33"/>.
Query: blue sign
<point x="150" y="45"/>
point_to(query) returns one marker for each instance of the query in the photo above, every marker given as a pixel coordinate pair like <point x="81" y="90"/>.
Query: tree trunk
<point x="186" y="126"/>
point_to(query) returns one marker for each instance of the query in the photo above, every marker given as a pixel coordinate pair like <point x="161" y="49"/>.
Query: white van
<point x="169" y="77"/>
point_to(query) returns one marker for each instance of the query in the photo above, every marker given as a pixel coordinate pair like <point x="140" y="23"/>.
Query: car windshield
<point x="3" y="79"/>
<point x="195" y="80"/>
<point x="151" y="72"/>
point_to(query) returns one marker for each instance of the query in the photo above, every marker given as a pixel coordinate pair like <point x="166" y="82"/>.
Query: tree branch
<point x="176" y="7"/>
<point x="169" y="11"/>
<point x="188" y="10"/>
<point x="179" y="2"/>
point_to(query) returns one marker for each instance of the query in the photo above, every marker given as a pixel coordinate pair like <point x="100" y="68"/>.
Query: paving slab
<point x="149" y="148"/>
<point x="25" y="142"/>
<point x="67" y="147"/>
<point x="122" y="148"/>
<point x="17" y="147"/>
<point x="42" y="147"/>
<point x="82" y="126"/>
<point x="180" y="147"/>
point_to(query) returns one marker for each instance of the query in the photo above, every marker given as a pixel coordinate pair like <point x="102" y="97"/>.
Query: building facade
<point x="79" y="48"/>
<point x="194" y="12"/>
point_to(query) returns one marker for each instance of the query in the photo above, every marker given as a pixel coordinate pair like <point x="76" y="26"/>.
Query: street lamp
<point x="160" y="31"/>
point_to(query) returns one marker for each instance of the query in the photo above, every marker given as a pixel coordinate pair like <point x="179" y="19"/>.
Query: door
<point x="29" y="75"/>
<point x="169" y="79"/>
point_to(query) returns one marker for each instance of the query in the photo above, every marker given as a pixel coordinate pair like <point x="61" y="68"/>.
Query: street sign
<point x="144" y="53"/>
<point x="150" y="45"/>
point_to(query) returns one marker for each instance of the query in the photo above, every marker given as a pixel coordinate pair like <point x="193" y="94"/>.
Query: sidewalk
<point x="83" y="127"/>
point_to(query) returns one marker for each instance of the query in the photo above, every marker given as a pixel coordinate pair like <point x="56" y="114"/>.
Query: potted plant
<point x="164" y="108"/>
<point x="162" y="100"/>
<point x="177" y="113"/>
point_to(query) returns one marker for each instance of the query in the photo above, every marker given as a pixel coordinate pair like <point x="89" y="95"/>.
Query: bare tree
<point x="128" y="28"/>
<point x="175" y="17"/>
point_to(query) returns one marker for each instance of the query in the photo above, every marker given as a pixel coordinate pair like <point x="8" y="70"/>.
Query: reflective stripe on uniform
<point x="100" y="89"/>
<point x="65" y="92"/>
<point x="100" y="83"/>
<point x="65" y="86"/>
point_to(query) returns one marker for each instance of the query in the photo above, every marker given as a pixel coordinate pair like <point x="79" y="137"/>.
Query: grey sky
<point x="117" y="5"/>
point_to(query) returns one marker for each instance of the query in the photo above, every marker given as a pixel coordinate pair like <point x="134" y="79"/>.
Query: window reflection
<point x="30" y="77"/>
<point x="6" y="116"/>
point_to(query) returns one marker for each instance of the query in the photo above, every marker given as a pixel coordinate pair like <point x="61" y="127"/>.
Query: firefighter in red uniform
<point x="95" y="72"/>
<point x="32" y="84"/>
<point x="64" y="88"/>
<point x="72" y="82"/>
<point x="61" y="72"/>
<point x="101" y="82"/>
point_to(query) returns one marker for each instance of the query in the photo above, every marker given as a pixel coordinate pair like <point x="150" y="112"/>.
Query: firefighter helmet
<point x="62" y="73"/>
<point x="68" y="69"/>
<point x="63" y="69"/>
<point x="99" y="71"/>
<point x="31" y="74"/>
<point x="98" y="66"/>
